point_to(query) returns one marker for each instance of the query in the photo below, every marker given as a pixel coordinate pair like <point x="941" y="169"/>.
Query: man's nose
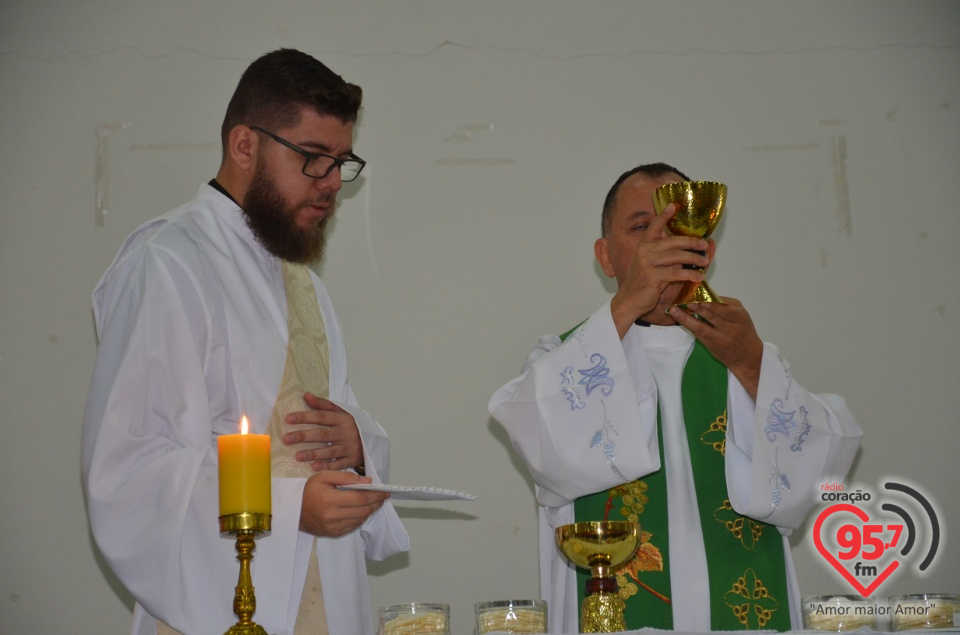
<point x="332" y="180"/>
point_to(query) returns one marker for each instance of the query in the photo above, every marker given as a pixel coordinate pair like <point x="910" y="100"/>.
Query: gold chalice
<point x="600" y="546"/>
<point x="699" y="208"/>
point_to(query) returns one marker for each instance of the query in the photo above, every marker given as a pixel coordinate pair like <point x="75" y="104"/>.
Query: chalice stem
<point x="696" y="292"/>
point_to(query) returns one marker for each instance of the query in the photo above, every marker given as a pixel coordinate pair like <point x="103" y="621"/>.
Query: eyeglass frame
<point x="310" y="156"/>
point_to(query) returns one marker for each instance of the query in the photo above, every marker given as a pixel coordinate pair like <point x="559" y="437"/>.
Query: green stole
<point x="745" y="560"/>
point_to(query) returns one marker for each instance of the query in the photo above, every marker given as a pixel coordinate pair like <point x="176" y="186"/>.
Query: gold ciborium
<point x="699" y="208"/>
<point x="600" y="546"/>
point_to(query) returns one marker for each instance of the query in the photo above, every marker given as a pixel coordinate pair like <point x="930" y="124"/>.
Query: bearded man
<point x="681" y="419"/>
<point x="210" y="313"/>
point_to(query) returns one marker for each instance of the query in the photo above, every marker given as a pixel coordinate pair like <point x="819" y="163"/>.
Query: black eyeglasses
<point x="317" y="165"/>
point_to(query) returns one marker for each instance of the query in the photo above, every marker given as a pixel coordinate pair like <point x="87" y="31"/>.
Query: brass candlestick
<point x="245" y="527"/>
<point x="600" y="546"/>
<point x="699" y="209"/>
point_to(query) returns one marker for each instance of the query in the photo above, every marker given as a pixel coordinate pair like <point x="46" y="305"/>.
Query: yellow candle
<point x="244" y="472"/>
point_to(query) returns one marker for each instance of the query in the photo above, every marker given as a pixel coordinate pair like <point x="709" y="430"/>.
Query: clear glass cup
<point x="925" y="611"/>
<point x="511" y="616"/>
<point x="837" y="613"/>
<point x="416" y="618"/>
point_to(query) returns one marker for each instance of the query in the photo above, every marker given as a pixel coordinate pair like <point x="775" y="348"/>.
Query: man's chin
<point x="311" y="222"/>
<point x="308" y="253"/>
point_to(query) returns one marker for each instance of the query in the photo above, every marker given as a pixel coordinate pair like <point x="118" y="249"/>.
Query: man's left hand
<point x="336" y="435"/>
<point x="727" y="331"/>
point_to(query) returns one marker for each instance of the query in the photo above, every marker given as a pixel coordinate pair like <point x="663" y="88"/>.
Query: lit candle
<point x="244" y="472"/>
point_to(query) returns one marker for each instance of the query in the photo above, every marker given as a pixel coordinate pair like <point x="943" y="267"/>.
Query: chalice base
<point x="696" y="292"/>
<point x="602" y="613"/>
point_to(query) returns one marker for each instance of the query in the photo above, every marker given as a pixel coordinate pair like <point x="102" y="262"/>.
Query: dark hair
<point x="650" y="169"/>
<point x="277" y="86"/>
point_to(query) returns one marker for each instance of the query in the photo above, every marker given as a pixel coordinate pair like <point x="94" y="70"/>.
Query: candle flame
<point x="244" y="426"/>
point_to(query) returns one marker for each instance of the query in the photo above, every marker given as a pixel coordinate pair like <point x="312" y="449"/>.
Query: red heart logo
<point x="862" y="515"/>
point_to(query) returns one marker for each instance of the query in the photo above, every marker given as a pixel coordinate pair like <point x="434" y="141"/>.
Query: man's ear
<point x="601" y="249"/>
<point x="242" y="146"/>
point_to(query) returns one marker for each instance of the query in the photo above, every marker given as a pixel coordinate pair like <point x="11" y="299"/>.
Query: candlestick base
<point x="246" y="527"/>
<point x="246" y="629"/>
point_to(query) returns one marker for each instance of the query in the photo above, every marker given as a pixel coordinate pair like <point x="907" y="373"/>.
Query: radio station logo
<point x="868" y="536"/>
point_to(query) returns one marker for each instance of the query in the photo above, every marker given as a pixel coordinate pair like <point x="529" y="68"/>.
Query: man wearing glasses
<point x="208" y="314"/>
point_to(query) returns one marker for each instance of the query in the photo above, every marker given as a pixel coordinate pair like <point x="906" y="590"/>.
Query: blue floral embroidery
<point x="616" y="470"/>
<point x="780" y="421"/>
<point x="780" y="483"/>
<point x="566" y="386"/>
<point x="597" y="376"/>
<point x="602" y="439"/>
<point x="797" y="444"/>
<point x="786" y="394"/>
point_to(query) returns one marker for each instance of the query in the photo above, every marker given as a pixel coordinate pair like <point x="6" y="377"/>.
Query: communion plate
<point x="411" y="492"/>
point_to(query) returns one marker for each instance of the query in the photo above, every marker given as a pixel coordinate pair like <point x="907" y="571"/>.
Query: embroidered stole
<point x="745" y="559"/>
<point x="306" y="368"/>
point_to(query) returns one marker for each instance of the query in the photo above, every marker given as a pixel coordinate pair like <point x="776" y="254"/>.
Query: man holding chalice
<point x="668" y="410"/>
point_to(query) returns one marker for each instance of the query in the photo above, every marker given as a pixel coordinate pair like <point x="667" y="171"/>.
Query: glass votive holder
<point x="924" y="611"/>
<point x="837" y="613"/>
<point x="416" y="618"/>
<point x="511" y="616"/>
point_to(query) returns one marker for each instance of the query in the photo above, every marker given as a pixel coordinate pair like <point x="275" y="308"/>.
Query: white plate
<point x="413" y="493"/>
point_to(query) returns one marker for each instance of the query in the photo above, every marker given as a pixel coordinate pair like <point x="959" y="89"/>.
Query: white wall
<point x="492" y="131"/>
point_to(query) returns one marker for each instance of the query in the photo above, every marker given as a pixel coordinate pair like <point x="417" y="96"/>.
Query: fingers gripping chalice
<point x="600" y="546"/>
<point x="699" y="208"/>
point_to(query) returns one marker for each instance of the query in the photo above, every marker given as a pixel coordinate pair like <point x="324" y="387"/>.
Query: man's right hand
<point x="328" y="511"/>
<point x="656" y="268"/>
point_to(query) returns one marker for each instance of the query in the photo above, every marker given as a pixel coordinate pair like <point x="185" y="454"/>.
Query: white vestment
<point x="553" y="414"/>
<point x="192" y="326"/>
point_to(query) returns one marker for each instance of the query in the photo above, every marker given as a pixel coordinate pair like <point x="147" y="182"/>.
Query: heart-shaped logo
<point x="825" y="552"/>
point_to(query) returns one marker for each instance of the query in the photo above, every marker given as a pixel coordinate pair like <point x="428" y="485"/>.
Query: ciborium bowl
<point x="700" y="206"/>
<point x="600" y="546"/>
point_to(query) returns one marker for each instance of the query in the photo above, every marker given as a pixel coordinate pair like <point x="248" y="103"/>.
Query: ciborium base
<point x="602" y="613"/>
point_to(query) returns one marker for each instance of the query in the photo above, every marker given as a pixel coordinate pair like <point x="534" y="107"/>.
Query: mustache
<point x="325" y="201"/>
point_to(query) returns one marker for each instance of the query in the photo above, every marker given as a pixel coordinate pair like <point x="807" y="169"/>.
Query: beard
<point x="274" y="222"/>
